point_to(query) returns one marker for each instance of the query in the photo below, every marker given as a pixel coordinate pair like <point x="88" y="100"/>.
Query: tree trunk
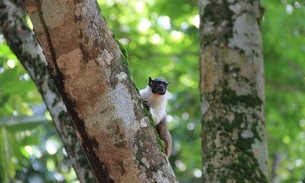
<point x="232" y="92"/>
<point x="22" y="42"/>
<point x="92" y="76"/>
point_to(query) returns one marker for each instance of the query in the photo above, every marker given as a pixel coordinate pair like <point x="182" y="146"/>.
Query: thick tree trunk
<point x="92" y="76"/>
<point x="232" y="92"/>
<point x="22" y="42"/>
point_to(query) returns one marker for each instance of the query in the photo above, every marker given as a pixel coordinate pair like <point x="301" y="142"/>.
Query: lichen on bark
<point x="232" y="90"/>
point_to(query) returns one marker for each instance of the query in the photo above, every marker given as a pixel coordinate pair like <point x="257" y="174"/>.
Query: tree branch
<point x="22" y="42"/>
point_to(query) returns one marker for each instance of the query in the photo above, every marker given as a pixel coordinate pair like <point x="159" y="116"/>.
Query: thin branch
<point x="22" y="42"/>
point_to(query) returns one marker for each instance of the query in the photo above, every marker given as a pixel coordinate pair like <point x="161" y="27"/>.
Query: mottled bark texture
<point x="22" y="42"/>
<point x="232" y="92"/>
<point x="91" y="73"/>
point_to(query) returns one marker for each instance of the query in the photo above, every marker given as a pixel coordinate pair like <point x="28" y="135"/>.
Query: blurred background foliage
<point x="162" y="40"/>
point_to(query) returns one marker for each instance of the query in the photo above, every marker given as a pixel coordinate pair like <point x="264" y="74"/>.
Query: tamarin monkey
<point x="155" y="96"/>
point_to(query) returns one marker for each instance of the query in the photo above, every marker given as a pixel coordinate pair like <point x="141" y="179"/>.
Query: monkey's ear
<point x="168" y="82"/>
<point x="150" y="82"/>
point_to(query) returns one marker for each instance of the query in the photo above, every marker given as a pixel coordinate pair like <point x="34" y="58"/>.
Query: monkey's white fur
<point x="156" y="102"/>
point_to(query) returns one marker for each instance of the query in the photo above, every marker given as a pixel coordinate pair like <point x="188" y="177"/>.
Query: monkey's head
<point x="158" y="85"/>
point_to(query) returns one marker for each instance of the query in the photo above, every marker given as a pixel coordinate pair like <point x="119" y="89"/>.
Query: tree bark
<point x="22" y="42"/>
<point x="92" y="76"/>
<point x="232" y="92"/>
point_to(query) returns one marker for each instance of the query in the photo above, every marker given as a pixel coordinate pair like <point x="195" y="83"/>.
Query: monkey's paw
<point x="146" y="104"/>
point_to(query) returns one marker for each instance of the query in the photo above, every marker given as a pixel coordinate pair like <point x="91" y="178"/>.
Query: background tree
<point x="232" y="92"/>
<point x="162" y="40"/>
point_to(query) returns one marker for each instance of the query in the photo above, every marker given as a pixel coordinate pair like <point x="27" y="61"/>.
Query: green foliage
<point x="30" y="150"/>
<point x="284" y="48"/>
<point x="161" y="38"/>
<point x="162" y="41"/>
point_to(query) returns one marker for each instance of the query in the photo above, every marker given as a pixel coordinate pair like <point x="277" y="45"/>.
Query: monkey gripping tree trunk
<point x="91" y="74"/>
<point x="232" y="92"/>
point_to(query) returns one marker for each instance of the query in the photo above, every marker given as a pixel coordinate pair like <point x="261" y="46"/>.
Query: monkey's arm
<point x="164" y="135"/>
<point x="145" y="93"/>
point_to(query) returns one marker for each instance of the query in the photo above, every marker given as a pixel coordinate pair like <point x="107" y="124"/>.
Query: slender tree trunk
<point x="232" y="92"/>
<point x="22" y="42"/>
<point x="92" y="76"/>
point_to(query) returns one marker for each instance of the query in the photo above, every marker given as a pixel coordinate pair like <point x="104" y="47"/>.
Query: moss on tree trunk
<point x="232" y="92"/>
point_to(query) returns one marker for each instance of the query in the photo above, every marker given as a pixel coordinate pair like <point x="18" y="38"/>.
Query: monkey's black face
<point x="158" y="86"/>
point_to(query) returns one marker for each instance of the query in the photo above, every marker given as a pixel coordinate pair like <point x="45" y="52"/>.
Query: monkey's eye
<point x="161" y="83"/>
